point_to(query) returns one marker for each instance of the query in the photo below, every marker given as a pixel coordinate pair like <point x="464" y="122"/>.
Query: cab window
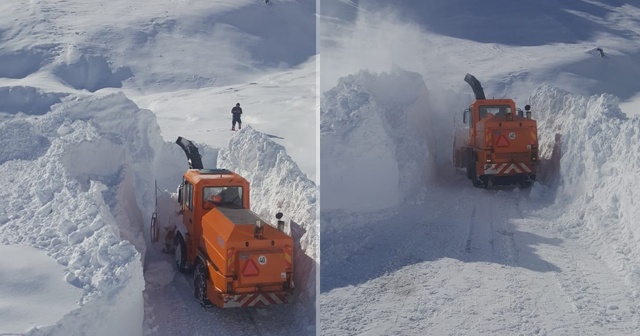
<point x="229" y="197"/>
<point x="496" y="110"/>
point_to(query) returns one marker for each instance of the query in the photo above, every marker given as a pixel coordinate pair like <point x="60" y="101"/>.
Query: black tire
<point x="525" y="184"/>
<point x="200" y="277"/>
<point x="471" y="164"/>
<point x="180" y="250"/>
<point x="480" y="181"/>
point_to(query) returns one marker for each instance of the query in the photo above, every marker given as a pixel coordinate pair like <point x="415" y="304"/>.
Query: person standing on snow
<point x="236" y="111"/>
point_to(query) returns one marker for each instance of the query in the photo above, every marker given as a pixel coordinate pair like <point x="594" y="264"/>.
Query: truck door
<point x="187" y="206"/>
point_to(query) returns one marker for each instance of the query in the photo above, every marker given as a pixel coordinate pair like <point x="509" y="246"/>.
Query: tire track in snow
<point x="467" y="246"/>
<point x="514" y="280"/>
<point x="594" y="293"/>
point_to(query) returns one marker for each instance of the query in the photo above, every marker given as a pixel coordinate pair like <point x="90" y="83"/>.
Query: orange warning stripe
<point x="230" y="260"/>
<point x="287" y="254"/>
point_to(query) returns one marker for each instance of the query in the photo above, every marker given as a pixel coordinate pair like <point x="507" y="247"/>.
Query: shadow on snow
<point x="359" y="247"/>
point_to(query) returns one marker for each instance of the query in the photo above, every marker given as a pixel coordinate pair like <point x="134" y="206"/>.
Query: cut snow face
<point x="33" y="290"/>
<point x="374" y="148"/>
<point x="80" y="198"/>
<point x="592" y="151"/>
<point x="28" y="100"/>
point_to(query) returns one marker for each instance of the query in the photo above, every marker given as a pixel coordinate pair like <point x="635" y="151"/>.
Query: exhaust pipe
<point x="258" y="230"/>
<point x="280" y="222"/>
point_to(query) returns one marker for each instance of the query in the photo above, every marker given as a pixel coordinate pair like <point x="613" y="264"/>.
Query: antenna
<point x="505" y="94"/>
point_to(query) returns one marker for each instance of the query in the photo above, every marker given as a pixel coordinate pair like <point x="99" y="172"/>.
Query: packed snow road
<point x="467" y="261"/>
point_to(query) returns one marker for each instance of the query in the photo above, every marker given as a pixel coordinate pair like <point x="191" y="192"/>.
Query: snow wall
<point x="376" y="144"/>
<point x="590" y="154"/>
<point x="72" y="178"/>
<point x="278" y="185"/>
<point x="80" y="185"/>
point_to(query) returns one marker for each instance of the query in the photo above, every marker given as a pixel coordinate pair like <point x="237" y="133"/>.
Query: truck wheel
<point x="525" y="184"/>
<point x="471" y="164"/>
<point x="480" y="182"/>
<point x="180" y="250"/>
<point x="200" y="285"/>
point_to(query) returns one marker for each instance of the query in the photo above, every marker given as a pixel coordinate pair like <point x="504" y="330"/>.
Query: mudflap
<point x="481" y="181"/>
<point x="521" y="180"/>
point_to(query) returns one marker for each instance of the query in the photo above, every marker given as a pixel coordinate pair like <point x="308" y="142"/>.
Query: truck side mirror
<point x="464" y="115"/>
<point x="180" y="193"/>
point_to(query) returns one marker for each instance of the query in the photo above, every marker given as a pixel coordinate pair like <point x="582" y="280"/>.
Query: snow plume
<point x="371" y="42"/>
<point x="78" y="181"/>
<point x="278" y="185"/>
<point x="375" y="145"/>
<point x="597" y="163"/>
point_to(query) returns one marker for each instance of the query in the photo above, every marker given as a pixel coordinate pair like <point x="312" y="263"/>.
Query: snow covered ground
<point x="425" y="252"/>
<point x="92" y="97"/>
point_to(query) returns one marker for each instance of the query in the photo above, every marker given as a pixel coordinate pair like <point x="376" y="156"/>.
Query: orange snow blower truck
<point x="501" y="143"/>
<point x="238" y="259"/>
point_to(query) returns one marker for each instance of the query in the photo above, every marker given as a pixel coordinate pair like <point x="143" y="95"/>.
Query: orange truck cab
<point x="238" y="259"/>
<point x="502" y="142"/>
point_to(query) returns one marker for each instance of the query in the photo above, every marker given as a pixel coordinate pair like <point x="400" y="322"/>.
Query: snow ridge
<point x="596" y="187"/>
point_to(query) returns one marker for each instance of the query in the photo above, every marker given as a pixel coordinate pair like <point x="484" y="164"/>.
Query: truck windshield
<point x="496" y="110"/>
<point x="229" y="197"/>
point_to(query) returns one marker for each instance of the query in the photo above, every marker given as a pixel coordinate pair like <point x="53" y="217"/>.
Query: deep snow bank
<point x="375" y="147"/>
<point x="277" y="184"/>
<point x="593" y="172"/>
<point x="78" y="181"/>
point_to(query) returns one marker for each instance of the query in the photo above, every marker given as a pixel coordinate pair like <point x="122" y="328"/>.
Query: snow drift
<point x="375" y="145"/>
<point x="591" y="151"/>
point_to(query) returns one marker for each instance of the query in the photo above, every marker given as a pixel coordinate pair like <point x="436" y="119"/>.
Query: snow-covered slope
<point x="497" y="42"/>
